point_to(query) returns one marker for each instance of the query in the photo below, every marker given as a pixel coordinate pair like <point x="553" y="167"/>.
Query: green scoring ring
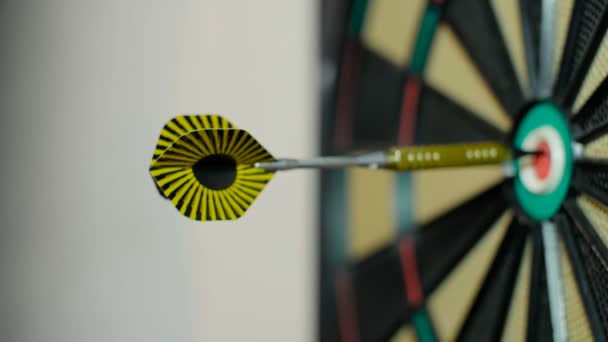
<point x="543" y="206"/>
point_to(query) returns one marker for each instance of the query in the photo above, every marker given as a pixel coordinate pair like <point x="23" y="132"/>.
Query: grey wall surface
<point x="89" y="251"/>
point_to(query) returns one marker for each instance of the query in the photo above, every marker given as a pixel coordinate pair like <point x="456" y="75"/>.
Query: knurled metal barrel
<point x="439" y="156"/>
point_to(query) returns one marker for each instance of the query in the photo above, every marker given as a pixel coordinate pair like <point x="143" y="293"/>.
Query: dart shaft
<point x="338" y="162"/>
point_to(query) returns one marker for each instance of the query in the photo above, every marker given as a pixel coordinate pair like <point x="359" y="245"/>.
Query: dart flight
<point x="210" y="170"/>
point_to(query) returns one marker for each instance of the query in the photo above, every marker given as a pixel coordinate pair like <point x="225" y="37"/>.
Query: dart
<point x="211" y="170"/>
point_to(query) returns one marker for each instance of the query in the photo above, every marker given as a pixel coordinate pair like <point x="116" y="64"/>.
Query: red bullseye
<point x="542" y="162"/>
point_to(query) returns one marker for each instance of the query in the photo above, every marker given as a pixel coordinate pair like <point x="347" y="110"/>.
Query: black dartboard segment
<point x="443" y="121"/>
<point x="487" y="316"/>
<point x="444" y="236"/>
<point x="378" y="102"/>
<point x="542" y="329"/>
<point x="380" y="295"/>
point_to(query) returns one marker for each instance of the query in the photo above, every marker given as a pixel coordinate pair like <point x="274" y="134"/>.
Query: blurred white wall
<point x="89" y="251"/>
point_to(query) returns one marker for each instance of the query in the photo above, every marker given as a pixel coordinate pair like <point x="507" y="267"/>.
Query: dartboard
<point x="478" y="253"/>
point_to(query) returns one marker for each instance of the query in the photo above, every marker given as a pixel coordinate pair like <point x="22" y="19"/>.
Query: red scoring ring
<point x="542" y="162"/>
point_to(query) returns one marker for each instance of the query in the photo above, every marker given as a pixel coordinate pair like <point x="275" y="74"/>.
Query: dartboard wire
<point x="554" y="281"/>
<point x="583" y="287"/>
<point x="531" y="51"/>
<point x="547" y="42"/>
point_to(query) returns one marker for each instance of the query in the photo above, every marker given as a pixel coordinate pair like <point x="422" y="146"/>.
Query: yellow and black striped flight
<point x="207" y="171"/>
<point x="183" y="124"/>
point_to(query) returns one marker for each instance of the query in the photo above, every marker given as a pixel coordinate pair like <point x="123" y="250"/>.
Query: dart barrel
<point x="438" y="156"/>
